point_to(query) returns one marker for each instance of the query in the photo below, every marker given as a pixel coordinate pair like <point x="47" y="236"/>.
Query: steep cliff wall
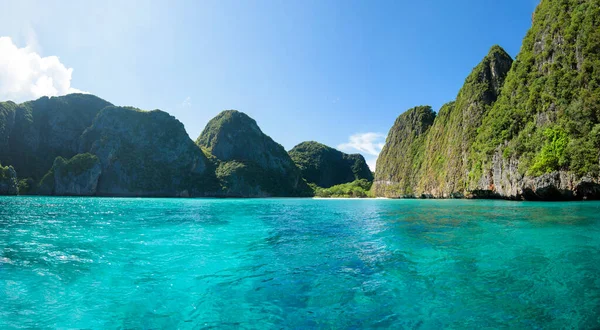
<point x="399" y="163"/>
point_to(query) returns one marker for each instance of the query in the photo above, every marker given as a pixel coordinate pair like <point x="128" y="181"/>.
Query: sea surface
<point x="297" y="263"/>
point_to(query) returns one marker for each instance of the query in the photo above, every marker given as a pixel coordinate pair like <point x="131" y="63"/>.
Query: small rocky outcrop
<point x="249" y="162"/>
<point x="77" y="176"/>
<point x="326" y="166"/>
<point x="8" y="181"/>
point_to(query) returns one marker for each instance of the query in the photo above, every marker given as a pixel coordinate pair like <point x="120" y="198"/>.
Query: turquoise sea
<point x="297" y="263"/>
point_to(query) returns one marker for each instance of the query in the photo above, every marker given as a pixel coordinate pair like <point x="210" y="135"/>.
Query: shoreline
<point x="312" y="198"/>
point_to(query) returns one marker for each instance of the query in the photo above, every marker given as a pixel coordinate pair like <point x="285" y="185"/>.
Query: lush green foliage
<point x="326" y="167"/>
<point x="76" y="165"/>
<point x="553" y="154"/>
<point x="454" y="130"/>
<point x="540" y="114"/>
<point x="249" y="162"/>
<point x="355" y="189"/>
<point x="8" y="181"/>
<point x="146" y="152"/>
<point x="554" y="84"/>
<point x="4" y="172"/>
<point x="33" y="134"/>
<point x="46" y="184"/>
<point x="247" y="179"/>
<point x="399" y="163"/>
<point x="26" y="186"/>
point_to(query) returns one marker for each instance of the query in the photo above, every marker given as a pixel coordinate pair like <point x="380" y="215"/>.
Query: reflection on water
<point x="297" y="263"/>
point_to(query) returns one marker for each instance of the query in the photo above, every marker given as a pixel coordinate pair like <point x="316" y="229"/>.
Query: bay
<point x="297" y="263"/>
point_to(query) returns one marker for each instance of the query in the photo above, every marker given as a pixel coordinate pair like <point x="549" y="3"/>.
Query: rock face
<point x="8" y="181"/>
<point x="449" y="142"/>
<point x="541" y="139"/>
<point x="398" y="165"/>
<point x="326" y="167"/>
<point x="249" y="162"/>
<point x="33" y="134"/>
<point x="145" y="153"/>
<point x="119" y="151"/>
<point x="77" y="176"/>
<point x="523" y="130"/>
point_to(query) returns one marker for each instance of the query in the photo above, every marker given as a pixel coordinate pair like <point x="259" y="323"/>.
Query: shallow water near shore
<point x="297" y="263"/>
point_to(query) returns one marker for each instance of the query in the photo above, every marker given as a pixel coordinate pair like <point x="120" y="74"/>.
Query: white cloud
<point x="372" y="162"/>
<point x="187" y="103"/>
<point x="368" y="144"/>
<point x="25" y="75"/>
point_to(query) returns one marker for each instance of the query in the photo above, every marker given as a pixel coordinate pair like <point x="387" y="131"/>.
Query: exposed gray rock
<point x="504" y="181"/>
<point x="71" y="181"/>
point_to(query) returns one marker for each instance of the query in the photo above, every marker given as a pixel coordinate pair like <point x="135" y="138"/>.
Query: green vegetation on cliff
<point x="77" y="176"/>
<point x="146" y="153"/>
<point x="249" y="162"/>
<point x="8" y="181"/>
<point x="515" y="127"/>
<point x="4" y="172"/>
<point x="399" y="163"/>
<point x="448" y="144"/>
<point x="548" y="114"/>
<point x="78" y="164"/>
<point x="34" y="133"/>
<point x="326" y="167"/>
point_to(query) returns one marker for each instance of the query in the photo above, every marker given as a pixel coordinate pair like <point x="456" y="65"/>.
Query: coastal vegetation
<point x="8" y="180"/>
<point x="355" y="189"/>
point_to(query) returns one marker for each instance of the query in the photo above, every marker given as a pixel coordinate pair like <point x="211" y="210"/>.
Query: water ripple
<point x="297" y="263"/>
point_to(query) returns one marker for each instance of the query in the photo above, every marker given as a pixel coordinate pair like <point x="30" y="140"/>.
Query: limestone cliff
<point x="398" y="166"/>
<point x="145" y="153"/>
<point x="33" y="134"/>
<point x="523" y="130"/>
<point x="77" y="176"/>
<point x="543" y="133"/>
<point x="444" y="172"/>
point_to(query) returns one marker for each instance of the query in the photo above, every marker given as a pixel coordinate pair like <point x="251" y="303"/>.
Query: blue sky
<point x="305" y="70"/>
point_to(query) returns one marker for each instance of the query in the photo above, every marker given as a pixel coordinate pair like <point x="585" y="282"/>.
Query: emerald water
<point x="297" y="263"/>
